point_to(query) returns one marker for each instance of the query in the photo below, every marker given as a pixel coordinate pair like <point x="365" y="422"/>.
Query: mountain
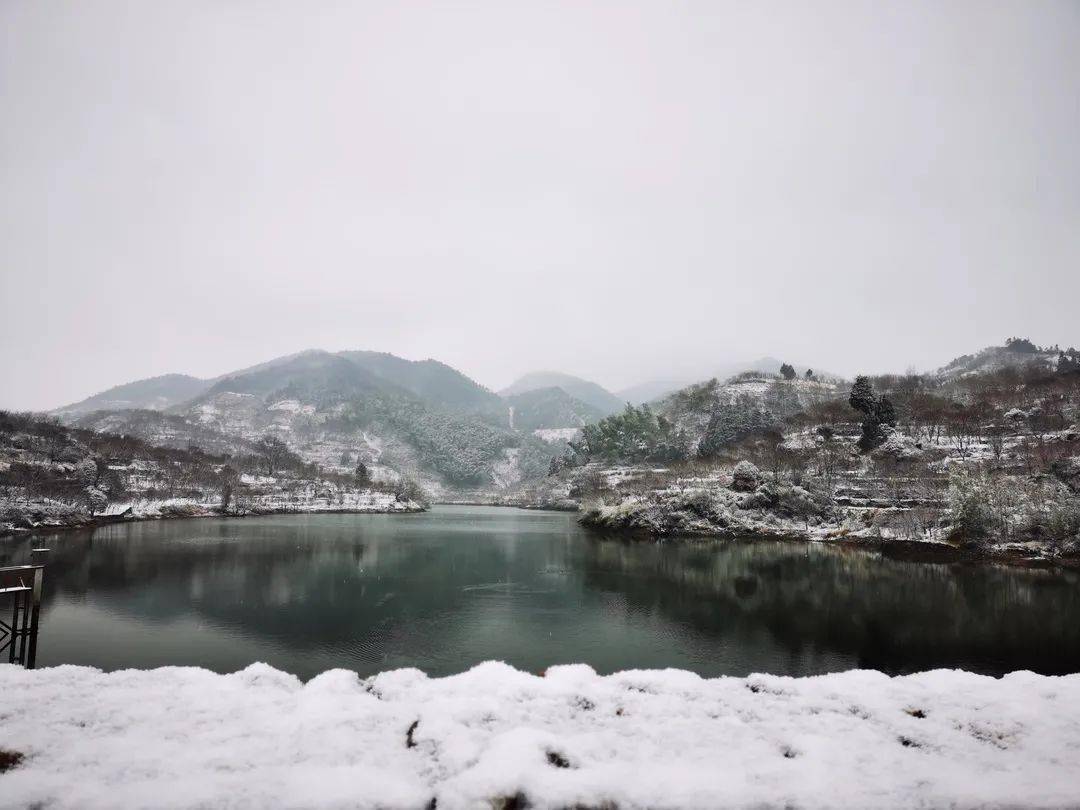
<point x="546" y="408"/>
<point x="313" y="376"/>
<point x="650" y="390"/>
<point x="155" y="393"/>
<point x="333" y="373"/>
<point x="430" y="380"/>
<point x="422" y="418"/>
<point x="588" y="392"/>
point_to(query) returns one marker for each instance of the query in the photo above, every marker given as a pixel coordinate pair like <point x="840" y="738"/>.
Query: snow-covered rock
<point x="185" y="737"/>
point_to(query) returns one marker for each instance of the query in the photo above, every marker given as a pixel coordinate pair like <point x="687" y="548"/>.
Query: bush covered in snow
<point x="986" y="507"/>
<point x="745" y="477"/>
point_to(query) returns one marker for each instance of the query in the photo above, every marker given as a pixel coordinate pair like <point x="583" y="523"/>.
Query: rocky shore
<point x="18" y="519"/>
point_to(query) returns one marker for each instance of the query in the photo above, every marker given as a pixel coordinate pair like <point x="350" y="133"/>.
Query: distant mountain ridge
<point x="429" y="421"/>
<point x="154" y="393"/>
<point x="651" y="390"/>
<point x="544" y="408"/>
<point x="431" y="380"/>
<point x="584" y="390"/>
<point x="347" y="371"/>
<point x="336" y="409"/>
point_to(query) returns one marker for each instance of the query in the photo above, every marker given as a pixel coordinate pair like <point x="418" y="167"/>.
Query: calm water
<point x="444" y="590"/>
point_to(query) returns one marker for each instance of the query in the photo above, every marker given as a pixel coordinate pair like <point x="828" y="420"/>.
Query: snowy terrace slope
<point x="691" y="408"/>
<point x="497" y="737"/>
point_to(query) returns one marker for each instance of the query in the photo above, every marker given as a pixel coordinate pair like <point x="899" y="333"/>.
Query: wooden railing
<point x="22" y="585"/>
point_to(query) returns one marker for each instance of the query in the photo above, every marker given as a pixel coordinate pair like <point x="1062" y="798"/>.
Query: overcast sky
<point x="618" y="190"/>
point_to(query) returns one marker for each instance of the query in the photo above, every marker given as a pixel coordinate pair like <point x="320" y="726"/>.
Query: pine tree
<point x="362" y="476"/>
<point x="787" y="371"/>
<point x="862" y="396"/>
<point x="885" y="412"/>
<point x="876" y="411"/>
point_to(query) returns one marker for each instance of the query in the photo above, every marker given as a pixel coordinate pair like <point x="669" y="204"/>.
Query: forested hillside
<point x="54" y="475"/>
<point x="422" y="419"/>
<point x="545" y="408"/>
<point x="983" y="456"/>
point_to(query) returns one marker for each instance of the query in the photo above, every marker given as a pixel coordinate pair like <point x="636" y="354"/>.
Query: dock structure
<point x="21" y="584"/>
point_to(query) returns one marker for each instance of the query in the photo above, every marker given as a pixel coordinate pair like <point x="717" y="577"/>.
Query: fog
<point x="616" y="190"/>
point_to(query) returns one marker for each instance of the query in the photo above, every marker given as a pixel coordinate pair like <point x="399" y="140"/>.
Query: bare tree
<point x="273" y="451"/>
<point x="229" y="479"/>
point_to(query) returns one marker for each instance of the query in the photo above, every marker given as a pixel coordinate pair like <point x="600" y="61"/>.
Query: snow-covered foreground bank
<point x="182" y="737"/>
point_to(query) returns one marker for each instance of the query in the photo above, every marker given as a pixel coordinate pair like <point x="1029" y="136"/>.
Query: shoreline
<point x="900" y="549"/>
<point x="194" y="513"/>
<point x="534" y="507"/>
<point x="903" y="550"/>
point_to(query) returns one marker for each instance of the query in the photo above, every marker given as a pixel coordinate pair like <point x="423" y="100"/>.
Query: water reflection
<point x="445" y="590"/>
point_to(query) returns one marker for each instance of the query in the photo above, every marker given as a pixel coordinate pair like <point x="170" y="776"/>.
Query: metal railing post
<point x="35" y="611"/>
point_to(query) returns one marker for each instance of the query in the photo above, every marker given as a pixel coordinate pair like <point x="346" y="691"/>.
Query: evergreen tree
<point x="885" y="412"/>
<point x="362" y="476"/>
<point x="787" y="371"/>
<point x="96" y="500"/>
<point x="731" y="422"/>
<point x="876" y="411"/>
<point x="862" y="396"/>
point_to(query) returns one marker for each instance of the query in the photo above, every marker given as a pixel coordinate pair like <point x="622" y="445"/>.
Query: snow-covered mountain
<point x="432" y="381"/>
<point x="419" y="418"/>
<point x="155" y="393"/>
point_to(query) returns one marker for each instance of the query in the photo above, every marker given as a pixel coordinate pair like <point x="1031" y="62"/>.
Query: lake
<point x="455" y="586"/>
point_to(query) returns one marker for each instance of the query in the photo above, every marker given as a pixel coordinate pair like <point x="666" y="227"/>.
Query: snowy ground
<point x="181" y="737"/>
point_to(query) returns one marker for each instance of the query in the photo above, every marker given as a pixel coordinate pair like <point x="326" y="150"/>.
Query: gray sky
<point x="618" y="190"/>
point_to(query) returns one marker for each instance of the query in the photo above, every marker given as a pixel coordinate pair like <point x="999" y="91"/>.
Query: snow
<point x="292" y="406"/>
<point x="507" y="471"/>
<point x="563" y="434"/>
<point x="186" y="737"/>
